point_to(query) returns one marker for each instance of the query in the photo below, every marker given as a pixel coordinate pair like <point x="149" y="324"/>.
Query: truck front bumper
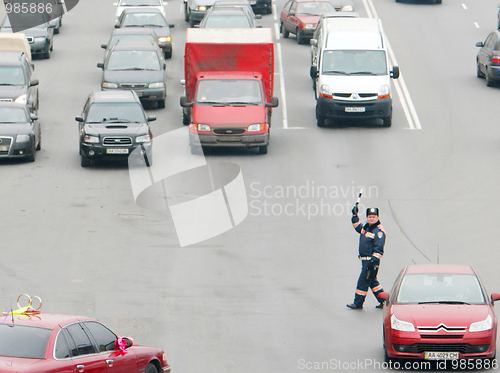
<point x="229" y="140"/>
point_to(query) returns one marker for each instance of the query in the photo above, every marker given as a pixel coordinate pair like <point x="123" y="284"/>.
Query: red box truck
<point x="229" y="78"/>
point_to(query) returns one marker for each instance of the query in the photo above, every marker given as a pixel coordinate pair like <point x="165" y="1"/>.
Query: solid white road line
<point x="282" y="85"/>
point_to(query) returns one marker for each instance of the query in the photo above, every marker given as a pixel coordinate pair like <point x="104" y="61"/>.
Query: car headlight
<point x="203" y="127"/>
<point x="384" y="92"/>
<point x="347" y="8"/>
<point x="143" y="138"/>
<point x="308" y="26"/>
<point x="91" y="139"/>
<point x="165" y="39"/>
<point x="21" y="99"/>
<point x="23" y="138"/>
<point x="156" y="85"/>
<point x="109" y="85"/>
<point x="481" y="326"/>
<point x="256" y="127"/>
<point x="39" y="38"/>
<point x="202" y="8"/>
<point x="400" y="325"/>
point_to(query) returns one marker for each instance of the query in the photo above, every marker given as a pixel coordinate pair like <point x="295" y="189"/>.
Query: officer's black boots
<point x="354" y="307"/>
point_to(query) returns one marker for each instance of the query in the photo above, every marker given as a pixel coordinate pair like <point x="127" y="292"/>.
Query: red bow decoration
<point x="121" y="344"/>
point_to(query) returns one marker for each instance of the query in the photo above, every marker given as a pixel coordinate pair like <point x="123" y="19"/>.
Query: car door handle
<point x="109" y="361"/>
<point x="80" y="367"/>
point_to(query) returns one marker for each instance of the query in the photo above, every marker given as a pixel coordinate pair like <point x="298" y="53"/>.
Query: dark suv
<point x="16" y="81"/>
<point x="112" y="125"/>
<point x="488" y="59"/>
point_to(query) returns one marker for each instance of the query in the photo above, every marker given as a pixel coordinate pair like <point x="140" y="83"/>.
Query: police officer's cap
<point x="372" y="211"/>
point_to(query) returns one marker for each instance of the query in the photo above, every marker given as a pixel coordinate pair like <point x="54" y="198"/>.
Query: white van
<point x="353" y="75"/>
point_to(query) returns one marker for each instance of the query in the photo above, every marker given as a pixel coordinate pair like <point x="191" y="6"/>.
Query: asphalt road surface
<point x="268" y="295"/>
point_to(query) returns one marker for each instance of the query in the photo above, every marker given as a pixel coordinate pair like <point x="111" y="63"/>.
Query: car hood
<point x="12" y="91"/>
<point x="229" y="116"/>
<point x="432" y="315"/>
<point x="313" y="20"/>
<point x="117" y="129"/>
<point x="36" y="31"/>
<point x="13" y="130"/>
<point x="355" y="83"/>
<point x="132" y="76"/>
<point x="18" y="364"/>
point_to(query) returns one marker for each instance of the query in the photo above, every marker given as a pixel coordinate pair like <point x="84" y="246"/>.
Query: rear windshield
<point x="227" y="22"/>
<point x="23" y="341"/>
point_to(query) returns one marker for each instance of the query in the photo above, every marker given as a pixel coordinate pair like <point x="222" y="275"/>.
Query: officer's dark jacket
<point x="371" y="240"/>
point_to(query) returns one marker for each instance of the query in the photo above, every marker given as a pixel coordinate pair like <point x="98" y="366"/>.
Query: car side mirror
<point x="171" y="25"/>
<point x="197" y="25"/>
<point x="183" y="82"/>
<point x="383" y="295"/>
<point x="313" y="42"/>
<point x="129" y="342"/>
<point x="33" y="82"/>
<point x="32" y="66"/>
<point x="313" y="72"/>
<point x="117" y="25"/>
<point x="395" y="72"/>
<point x="79" y="119"/>
<point x="258" y="16"/>
<point x="480" y="44"/>
<point x="274" y="102"/>
<point x="100" y="65"/>
<point x="185" y="102"/>
<point x="104" y="46"/>
<point x="151" y="118"/>
<point x="495" y="297"/>
<point x="33" y="117"/>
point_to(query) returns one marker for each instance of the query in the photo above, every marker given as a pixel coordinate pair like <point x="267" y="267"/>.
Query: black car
<point x="16" y="80"/>
<point x="228" y="17"/>
<point x="40" y="37"/>
<point x="129" y="33"/>
<point x="152" y="18"/>
<point x="20" y="133"/>
<point x="237" y="4"/>
<point x="488" y="59"/>
<point x="136" y="65"/>
<point x="112" y="125"/>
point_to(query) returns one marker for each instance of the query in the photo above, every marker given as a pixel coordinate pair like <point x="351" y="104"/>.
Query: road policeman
<point x="371" y="249"/>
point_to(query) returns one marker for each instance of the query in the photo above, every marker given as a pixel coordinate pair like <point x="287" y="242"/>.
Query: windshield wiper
<point x="335" y="72"/>
<point x="444" y="302"/>
<point x="242" y="103"/>
<point x="117" y="120"/>
<point x="364" y="73"/>
<point x="130" y="68"/>
<point x="7" y="84"/>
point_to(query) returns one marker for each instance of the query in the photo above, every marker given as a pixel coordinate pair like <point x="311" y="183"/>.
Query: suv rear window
<point x="23" y="341"/>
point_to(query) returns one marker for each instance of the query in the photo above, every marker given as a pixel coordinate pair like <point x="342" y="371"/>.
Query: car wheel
<point x="32" y="156"/>
<point x="489" y="81"/>
<point x="186" y="13"/>
<point x="150" y="368"/>
<point x="387" y="121"/>
<point x="300" y="38"/>
<point x="161" y="104"/>
<point x="56" y="30"/>
<point x="263" y="149"/>
<point x="149" y="160"/>
<point x="192" y="22"/>
<point x="85" y="162"/>
<point x="46" y="53"/>
<point x="185" y="119"/>
<point x="479" y="73"/>
<point x="168" y="54"/>
<point x="39" y="145"/>
<point x="284" y="32"/>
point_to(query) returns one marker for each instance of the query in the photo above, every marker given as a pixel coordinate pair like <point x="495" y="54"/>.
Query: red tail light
<point x="495" y="58"/>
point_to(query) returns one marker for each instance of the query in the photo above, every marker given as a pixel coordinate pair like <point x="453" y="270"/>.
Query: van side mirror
<point x="395" y="72"/>
<point x="33" y="82"/>
<point x="313" y="72"/>
<point x="33" y="117"/>
<point x="151" y="118"/>
<point x="104" y="46"/>
<point x="79" y="119"/>
<point x="100" y="65"/>
<point x="258" y="16"/>
<point x="274" y="102"/>
<point x="185" y="102"/>
<point x="480" y="44"/>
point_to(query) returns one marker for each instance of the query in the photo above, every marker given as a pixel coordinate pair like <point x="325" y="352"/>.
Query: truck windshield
<point x="361" y="62"/>
<point x="229" y="91"/>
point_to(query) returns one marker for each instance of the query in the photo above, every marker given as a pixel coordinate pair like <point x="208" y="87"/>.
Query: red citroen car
<point x="439" y="312"/>
<point x="60" y="343"/>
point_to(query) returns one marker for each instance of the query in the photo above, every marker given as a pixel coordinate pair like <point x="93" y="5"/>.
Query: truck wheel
<point x="263" y="149"/>
<point x="284" y="32"/>
<point x="387" y="121"/>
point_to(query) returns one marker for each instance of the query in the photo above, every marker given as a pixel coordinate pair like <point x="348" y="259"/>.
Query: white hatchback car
<point x="124" y="4"/>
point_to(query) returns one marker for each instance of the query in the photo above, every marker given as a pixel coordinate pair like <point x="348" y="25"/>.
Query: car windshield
<point x="221" y="91"/>
<point x="360" y="62"/>
<point x="140" y="3"/>
<point x="12" y="75"/>
<point x="23" y="341"/>
<point x="115" y="38"/>
<point x="144" y="19"/>
<point x="7" y="24"/>
<point x="13" y="115"/>
<point x="127" y="112"/>
<point x="133" y="60"/>
<point x="314" y="8"/>
<point x="440" y="288"/>
<point x="224" y="21"/>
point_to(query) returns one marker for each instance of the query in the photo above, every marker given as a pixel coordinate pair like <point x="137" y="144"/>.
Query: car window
<point x="140" y="2"/>
<point x="293" y="7"/>
<point x="12" y="75"/>
<point x="13" y="115"/>
<point x="82" y="343"/>
<point x="144" y="19"/>
<point x="314" y="8"/>
<point x="439" y="287"/>
<point x="62" y="350"/>
<point x="104" y="337"/>
<point x="223" y="21"/>
<point x="23" y="341"/>
<point x="115" y="38"/>
<point x="102" y="112"/>
<point x="133" y="60"/>
<point x="287" y="6"/>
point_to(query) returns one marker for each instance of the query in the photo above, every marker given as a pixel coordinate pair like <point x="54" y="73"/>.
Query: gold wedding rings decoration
<point x="37" y="299"/>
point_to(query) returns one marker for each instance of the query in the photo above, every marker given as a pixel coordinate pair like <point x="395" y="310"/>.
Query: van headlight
<point x="164" y="39"/>
<point x="403" y="326"/>
<point x="384" y="92"/>
<point x="481" y="326"/>
<point x="325" y="91"/>
<point x="21" y="99"/>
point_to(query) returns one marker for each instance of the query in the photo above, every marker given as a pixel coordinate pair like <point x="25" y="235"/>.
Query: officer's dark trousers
<point x="364" y="284"/>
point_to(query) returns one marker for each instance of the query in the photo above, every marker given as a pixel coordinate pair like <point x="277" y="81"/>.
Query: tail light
<point x="495" y="58"/>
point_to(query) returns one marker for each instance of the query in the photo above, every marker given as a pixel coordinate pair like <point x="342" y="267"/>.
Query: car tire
<point x="32" y="156"/>
<point x="489" y="81"/>
<point x="387" y="121"/>
<point x="284" y="32"/>
<point x="46" y="53"/>
<point x="167" y="54"/>
<point x="161" y="104"/>
<point x="85" y="162"/>
<point x="263" y="149"/>
<point x="39" y="145"/>
<point x="185" y="119"/>
<point x="479" y="73"/>
<point x="186" y="13"/>
<point x="56" y="30"/>
<point x="300" y="39"/>
<point x="149" y="160"/>
<point x="192" y="22"/>
<point x="151" y="368"/>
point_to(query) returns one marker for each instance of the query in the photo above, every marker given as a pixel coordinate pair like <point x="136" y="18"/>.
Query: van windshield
<point x="349" y="62"/>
